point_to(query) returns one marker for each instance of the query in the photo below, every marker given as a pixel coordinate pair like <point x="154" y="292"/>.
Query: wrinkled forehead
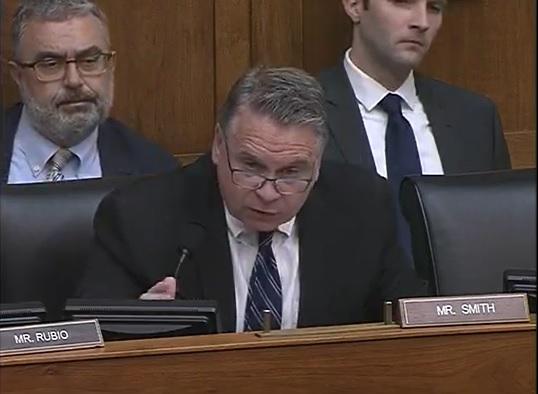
<point x="259" y="138"/>
<point x="67" y="37"/>
<point x="249" y="123"/>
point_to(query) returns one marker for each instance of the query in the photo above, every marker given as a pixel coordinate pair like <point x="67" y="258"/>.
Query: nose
<point x="268" y="192"/>
<point x="420" y="18"/>
<point x="72" y="76"/>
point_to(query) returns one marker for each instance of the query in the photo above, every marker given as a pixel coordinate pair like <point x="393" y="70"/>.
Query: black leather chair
<point x="46" y="231"/>
<point x="468" y="229"/>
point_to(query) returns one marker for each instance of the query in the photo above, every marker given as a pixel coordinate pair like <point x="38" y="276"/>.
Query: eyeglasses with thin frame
<point x="53" y="68"/>
<point x="253" y="181"/>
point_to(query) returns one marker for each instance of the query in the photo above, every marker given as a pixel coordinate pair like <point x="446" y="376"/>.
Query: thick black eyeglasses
<point x="254" y="181"/>
<point x="53" y="68"/>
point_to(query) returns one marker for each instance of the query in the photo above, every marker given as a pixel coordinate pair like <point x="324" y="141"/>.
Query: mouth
<point x="75" y="105"/>
<point x="261" y="212"/>
<point x="75" y="102"/>
<point x="414" y="42"/>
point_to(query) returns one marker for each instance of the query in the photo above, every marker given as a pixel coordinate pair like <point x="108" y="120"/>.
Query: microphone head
<point x="190" y="237"/>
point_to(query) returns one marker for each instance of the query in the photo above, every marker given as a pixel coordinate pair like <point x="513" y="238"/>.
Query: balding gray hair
<point x="288" y="96"/>
<point x="51" y="11"/>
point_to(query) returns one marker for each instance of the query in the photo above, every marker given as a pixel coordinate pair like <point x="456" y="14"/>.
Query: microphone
<point x="191" y="237"/>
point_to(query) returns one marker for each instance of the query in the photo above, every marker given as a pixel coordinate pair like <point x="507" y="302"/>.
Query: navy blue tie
<point x="265" y="289"/>
<point x="401" y="157"/>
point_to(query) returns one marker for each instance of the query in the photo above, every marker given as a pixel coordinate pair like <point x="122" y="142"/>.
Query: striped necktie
<point x="56" y="164"/>
<point x="265" y="289"/>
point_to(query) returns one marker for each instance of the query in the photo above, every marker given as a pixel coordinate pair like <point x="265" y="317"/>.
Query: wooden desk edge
<point x="233" y="341"/>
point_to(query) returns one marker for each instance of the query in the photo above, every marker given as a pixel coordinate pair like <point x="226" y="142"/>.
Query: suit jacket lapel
<point x="8" y="136"/>
<point x="215" y="264"/>
<point x="113" y="161"/>
<point x="345" y="119"/>
<point x="212" y="260"/>
<point x="312" y="222"/>
<point x="440" y="122"/>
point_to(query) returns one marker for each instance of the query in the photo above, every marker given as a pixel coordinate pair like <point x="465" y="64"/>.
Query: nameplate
<point x="454" y="310"/>
<point x="50" y="337"/>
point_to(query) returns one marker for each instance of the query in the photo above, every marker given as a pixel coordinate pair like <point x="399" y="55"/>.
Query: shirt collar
<point x="39" y="149"/>
<point x="238" y="231"/>
<point x="369" y="92"/>
<point x="83" y="150"/>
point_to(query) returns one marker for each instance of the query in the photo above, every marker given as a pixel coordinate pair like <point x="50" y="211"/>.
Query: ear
<point x="113" y="63"/>
<point x="315" y="175"/>
<point x="16" y="72"/>
<point x="216" y="147"/>
<point x="353" y="9"/>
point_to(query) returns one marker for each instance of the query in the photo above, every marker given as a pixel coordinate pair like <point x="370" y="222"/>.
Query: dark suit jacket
<point x="466" y="126"/>
<point x="121" y="150"/>
<point x="348" y="260"/>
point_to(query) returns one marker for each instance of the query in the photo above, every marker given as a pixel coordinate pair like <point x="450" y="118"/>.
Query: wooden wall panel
<point x="9" y="89"/>
<point x="522" y="147"/>
<point x="232" y="44"/>
<point x="165" y="71"/>
<point x="326" y="34"/>
<point x="489" y="46"/>
<point x="178" y="58"/>
<point x="277" y="32"/>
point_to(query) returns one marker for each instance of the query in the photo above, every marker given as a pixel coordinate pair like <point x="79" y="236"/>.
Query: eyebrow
<point x="244" y="156"/>
<point x="299" y="163"/>
<point x="87" y="51"/>
<point x="442" y="3"/>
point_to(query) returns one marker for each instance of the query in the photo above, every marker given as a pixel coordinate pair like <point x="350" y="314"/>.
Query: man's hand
<point x="163" y="290"/>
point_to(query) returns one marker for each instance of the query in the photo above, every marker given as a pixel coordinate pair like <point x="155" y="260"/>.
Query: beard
<point x="63" y="123"/>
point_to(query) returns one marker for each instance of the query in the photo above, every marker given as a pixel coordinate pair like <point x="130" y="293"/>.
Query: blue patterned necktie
<point x="56" y="164"/>
<point x="265" y="289"/>
<point x="401" y="157"/>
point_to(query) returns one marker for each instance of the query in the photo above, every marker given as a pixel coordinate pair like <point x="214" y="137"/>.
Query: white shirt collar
<point x="369" y="92"/>
<point x="37" y="149"/>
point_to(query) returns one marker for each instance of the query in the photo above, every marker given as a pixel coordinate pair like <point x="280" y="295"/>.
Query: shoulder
<point x="345" y="184"/>
<point x="333" y="76"/>
<point x="130" y="143"/>
<point x="147" y="192"/>
<point x="164" y="189"/>
<point x="330" y="73"/>
<point x="11" y="118"/>
<point x="13" y="112"/>
<point x="452" y="94"/>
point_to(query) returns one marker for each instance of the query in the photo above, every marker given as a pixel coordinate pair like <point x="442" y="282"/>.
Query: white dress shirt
<point x="244" y="247"/>
<point x="32" y="151"/>
<point x="368" y="93"/>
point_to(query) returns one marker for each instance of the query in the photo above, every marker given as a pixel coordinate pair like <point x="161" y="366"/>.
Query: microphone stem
<point x="184" y="254"/>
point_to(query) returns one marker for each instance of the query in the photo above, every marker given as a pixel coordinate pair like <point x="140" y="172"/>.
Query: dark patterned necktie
<point x="57" y="163"/>
<point x="265" y="289"/>
<point x="401" y="157"/>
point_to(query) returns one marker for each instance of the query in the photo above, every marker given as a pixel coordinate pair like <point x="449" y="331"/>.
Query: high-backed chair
<point x="46" y="231"/>
<point x="468" y="229"/>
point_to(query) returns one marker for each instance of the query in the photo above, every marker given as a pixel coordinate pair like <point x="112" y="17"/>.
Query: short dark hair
<point x="287" y="95"/>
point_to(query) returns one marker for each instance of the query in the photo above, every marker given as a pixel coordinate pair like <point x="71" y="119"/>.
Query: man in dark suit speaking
<point x="63" y="65"/>
<point x="267" y="226"/>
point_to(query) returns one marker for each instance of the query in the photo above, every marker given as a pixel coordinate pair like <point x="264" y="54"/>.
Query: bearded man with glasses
<point x="267" y="226"/>
<point x="64" y="66"/>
